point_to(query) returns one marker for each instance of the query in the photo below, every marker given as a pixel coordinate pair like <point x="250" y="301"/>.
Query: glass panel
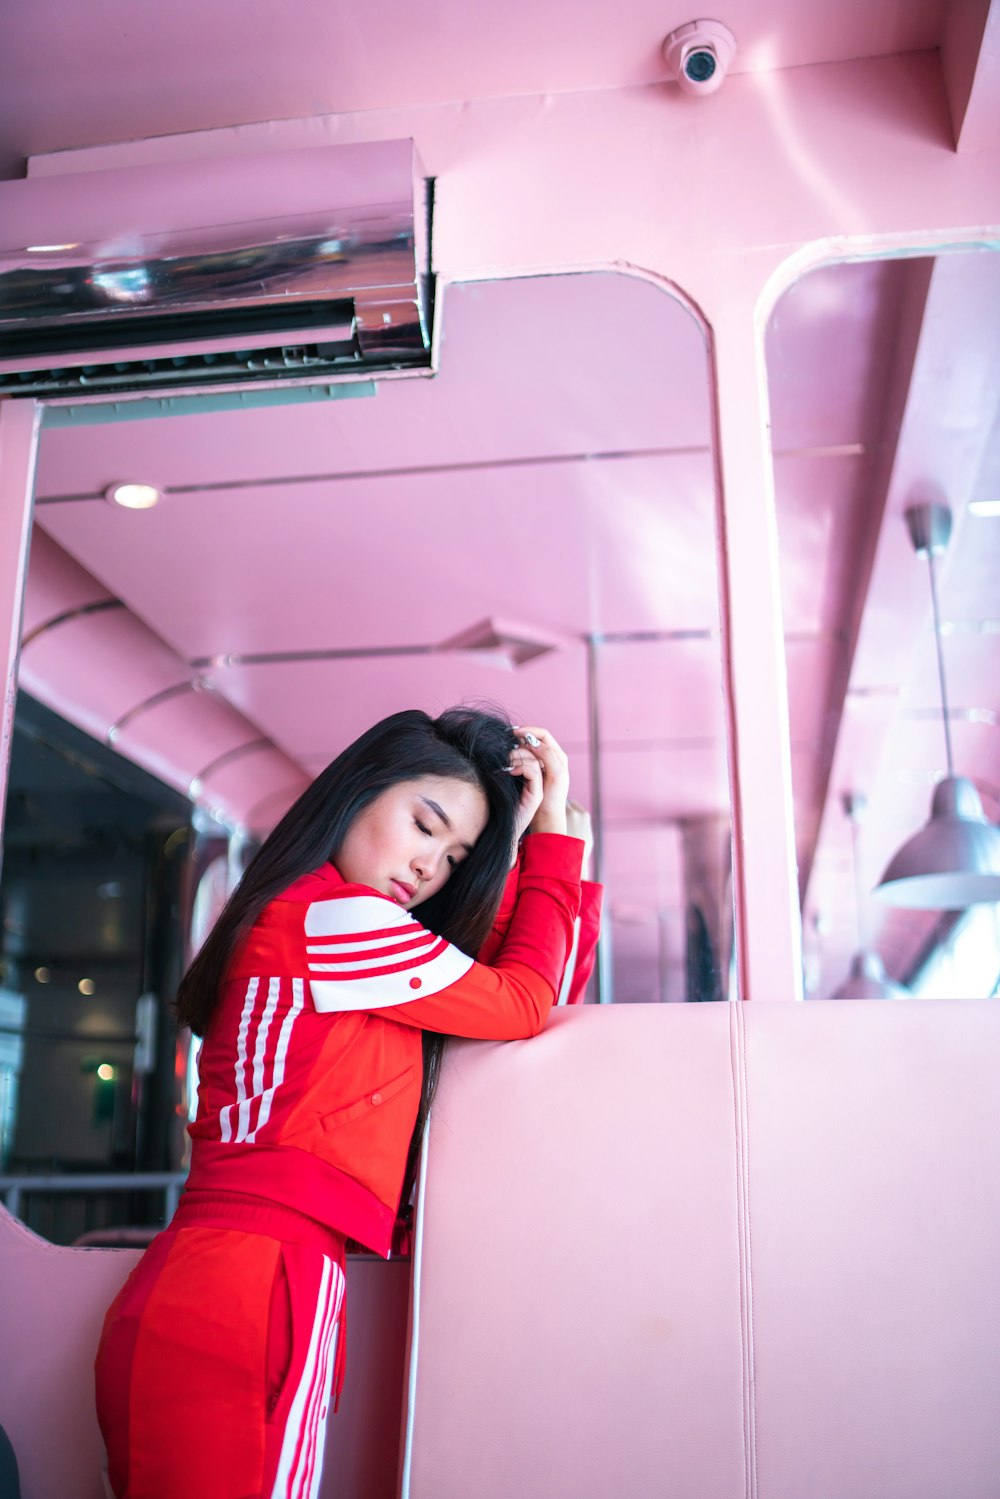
<point x="884" y="380"/>
<point x="534" y="527"/>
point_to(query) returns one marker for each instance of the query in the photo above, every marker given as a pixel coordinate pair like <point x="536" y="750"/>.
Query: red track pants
<point x="217" y="1358"/>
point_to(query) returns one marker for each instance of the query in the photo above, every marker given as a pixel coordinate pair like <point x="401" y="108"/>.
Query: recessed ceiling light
<point x="86" y="986"/>
<point x="133" y="496"/>
<point x="984" y="507"/>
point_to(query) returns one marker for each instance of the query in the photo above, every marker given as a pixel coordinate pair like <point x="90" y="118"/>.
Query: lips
<point x="402" y="892"/>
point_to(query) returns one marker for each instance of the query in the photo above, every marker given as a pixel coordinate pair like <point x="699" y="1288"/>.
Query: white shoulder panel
<point x="355" y="915"/>
<point x="365" y="953"/>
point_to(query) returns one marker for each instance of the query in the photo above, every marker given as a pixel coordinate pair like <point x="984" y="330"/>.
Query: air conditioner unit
<point x="308" y="266"/>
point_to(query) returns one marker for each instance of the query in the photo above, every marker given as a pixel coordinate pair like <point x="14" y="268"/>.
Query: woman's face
<point x="406" y="842"/>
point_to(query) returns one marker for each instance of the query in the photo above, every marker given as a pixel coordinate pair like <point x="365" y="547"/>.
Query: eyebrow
<point x="443" y="816"/>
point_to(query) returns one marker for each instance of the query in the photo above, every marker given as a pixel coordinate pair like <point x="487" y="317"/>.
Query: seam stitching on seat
<point x="744" y="1237"/>
<point x="748" y="1213"/>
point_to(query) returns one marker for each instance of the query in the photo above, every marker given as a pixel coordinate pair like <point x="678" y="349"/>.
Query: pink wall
<point x="714" y="1250"/>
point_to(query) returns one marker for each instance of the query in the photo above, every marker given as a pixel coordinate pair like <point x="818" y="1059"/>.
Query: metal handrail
<point x="168" y="1182"/>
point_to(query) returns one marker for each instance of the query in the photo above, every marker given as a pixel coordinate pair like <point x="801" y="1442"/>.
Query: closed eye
<point x="452" y="863"/>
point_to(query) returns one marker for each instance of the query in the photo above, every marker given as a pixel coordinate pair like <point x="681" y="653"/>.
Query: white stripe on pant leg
<point x="300" y="1486"/>
<point x="306" y="1479"/>
<point x="287" y="1463"/>
<point x="297" y="1411"/>
<point x="317" y="1425"/>
<point x="321" y="1429"/>
<point x="319" y="1435"/>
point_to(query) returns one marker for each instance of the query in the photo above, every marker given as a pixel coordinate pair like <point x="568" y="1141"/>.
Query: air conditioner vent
<point x="312" y="362"/>
<point x="74" y="335"/>
<point x="305" y="266"/>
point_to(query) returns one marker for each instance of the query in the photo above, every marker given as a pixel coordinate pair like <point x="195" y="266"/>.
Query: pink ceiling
<point x="110" y="674"/>
<point x="313" y="543"/>
<point x="107" y="71"/>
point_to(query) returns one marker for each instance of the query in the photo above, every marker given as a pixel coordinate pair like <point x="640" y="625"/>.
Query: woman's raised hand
<point x="545" y="768"/>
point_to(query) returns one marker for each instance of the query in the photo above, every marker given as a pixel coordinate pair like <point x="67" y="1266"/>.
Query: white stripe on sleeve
<point x="570" y="970"/>
<point x="226" y="1114"/>
<point x="281" y="1052"/>
<point x="259" y="1054"/>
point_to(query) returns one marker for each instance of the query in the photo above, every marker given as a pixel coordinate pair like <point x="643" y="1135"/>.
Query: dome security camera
<point x="698" y="55"/>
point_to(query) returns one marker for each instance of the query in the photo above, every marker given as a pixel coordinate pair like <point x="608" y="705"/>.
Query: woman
<point x="323" y="1002"/>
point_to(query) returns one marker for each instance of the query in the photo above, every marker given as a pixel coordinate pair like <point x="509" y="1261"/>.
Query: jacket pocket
<point x="369" y="1103"/>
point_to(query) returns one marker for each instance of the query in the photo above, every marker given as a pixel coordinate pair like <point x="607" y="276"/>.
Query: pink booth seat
<point x="713" y="1252"/>
<point x="52" y="1303"/>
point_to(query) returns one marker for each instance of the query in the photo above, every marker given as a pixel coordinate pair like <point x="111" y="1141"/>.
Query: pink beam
<point x="19" y="422"/>
<point x="970" y="63"/>
<point x="764" y="878"/>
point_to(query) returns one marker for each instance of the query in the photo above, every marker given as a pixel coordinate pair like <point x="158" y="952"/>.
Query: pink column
<point x="19" y="423"/>
<point x="765" y="884"/>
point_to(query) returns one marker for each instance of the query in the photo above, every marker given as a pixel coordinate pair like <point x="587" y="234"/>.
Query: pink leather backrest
<point x="52" y="1304"/>
<point x="714" y="1251"/>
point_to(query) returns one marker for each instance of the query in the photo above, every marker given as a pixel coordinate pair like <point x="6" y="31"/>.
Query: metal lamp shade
<point x="953" y="862"/>
<point x="869" y="980"/>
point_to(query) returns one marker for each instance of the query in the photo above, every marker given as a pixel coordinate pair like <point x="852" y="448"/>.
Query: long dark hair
<point x="468" y="744"/>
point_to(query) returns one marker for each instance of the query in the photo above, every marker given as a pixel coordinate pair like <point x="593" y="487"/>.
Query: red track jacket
<point x="311" y="1069"/>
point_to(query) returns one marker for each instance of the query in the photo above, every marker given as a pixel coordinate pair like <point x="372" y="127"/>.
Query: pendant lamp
<point x="954" y="861"/>
<point x="867" y="978"/>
